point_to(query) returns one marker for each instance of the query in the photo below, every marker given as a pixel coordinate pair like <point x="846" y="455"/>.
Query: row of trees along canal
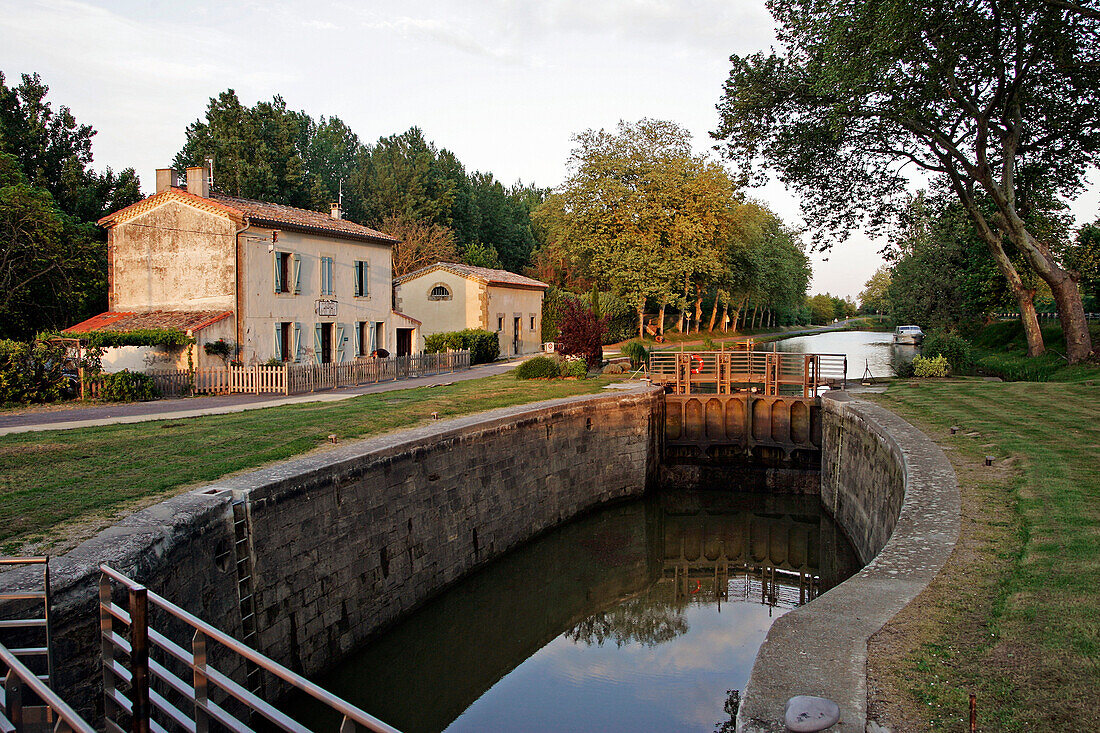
<point x="640" y="216"/>
<point x="994" y="103"/>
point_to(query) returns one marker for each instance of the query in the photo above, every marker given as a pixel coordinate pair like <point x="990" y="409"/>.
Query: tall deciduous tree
<point x="421" y="244"/>
<point x="968" y="89"/>
<point x="641" y="212"/>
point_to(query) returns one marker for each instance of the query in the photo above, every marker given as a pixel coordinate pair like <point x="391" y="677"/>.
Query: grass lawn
<point x="1000" y="349"/>
<point x="59" y="487"/>
<point x="1015" y="616"/>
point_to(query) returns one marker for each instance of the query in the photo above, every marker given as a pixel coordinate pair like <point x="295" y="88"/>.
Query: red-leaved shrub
<point x="581" y="333"/>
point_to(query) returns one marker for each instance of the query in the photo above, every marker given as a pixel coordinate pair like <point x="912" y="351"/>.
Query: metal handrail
<point x="729" y="371"/>
<point x="350" y="712"/>
<point x="18" y="671"/>
<point x="44" y="623"/>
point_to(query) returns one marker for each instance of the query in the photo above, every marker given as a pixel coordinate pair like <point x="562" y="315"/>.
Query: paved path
<point x="85" y="417"/>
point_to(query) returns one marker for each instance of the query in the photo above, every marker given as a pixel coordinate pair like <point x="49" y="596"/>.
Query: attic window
<point x="440" y="292"/>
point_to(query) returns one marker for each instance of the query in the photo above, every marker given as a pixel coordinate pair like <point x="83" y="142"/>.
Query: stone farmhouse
<point x="275" y="282"/>
<point x="450" y="297"/>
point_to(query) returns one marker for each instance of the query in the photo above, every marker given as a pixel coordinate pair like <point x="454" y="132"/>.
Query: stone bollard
<point x="806" y="714"/>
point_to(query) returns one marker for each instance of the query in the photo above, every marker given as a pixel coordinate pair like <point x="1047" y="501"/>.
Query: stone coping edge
<point x="821" y="648"/>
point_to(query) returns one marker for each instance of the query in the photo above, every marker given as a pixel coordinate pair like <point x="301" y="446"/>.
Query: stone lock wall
<point x="894" y="493"/>
<point x="346" y="542"/>
<point x="341" y="542"/>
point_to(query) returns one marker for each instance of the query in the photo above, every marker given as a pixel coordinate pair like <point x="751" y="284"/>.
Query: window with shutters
<point x="326" y="276"/>
<point x="362" y="272"/>
<point x="282" y="272"/>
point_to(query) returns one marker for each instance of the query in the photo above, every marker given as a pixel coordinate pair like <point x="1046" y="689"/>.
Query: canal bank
<point x="339" y="544"/>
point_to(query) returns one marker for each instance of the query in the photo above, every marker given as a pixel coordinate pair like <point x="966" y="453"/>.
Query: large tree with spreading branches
<point x="980" y="92"/>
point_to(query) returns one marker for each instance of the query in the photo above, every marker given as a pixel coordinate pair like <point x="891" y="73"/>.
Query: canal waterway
<point x="641" y="616"/>
<point x="873" y="349"/>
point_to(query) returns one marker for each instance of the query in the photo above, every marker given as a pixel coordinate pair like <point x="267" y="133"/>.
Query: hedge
<point x="539" y="367"/>
<point x="124" y="386"/>
<point x="484" y="346"/>
<point x="136" y="337"/>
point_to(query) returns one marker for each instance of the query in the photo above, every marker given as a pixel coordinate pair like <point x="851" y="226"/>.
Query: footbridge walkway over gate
<point x="719" y="403"/>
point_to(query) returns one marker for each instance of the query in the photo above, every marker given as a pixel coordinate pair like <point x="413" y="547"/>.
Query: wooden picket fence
<point x="291" y="379"/>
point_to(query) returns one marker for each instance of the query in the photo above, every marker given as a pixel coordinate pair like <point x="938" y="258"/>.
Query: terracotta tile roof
<point x="262" y="213"/>
<point x="484" y="274"/>
<point x="259" y="213"/>
<point x="129" y="321"/>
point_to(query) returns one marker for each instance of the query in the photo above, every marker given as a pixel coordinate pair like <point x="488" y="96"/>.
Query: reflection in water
<point x="642" y="616"/>
<point x="865" y="349"/>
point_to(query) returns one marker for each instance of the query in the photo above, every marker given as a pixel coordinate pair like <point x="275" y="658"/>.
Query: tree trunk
<point x="698" y="309"/>
<point x="661" y="320"/>
<point x="755" y="314"/>
<point x="1063" y="285"/>
<point x="737" y="313"/>
<point x="641" y="320"/>
<point x="713" y="314"/>
<point x="1024" y="295"/>
<point x="725" y="315"/>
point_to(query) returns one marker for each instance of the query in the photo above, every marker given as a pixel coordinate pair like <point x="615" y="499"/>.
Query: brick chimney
<point x="336" y="213"/>
<point x="197" y="182"/>
<point x="166" y="178"/>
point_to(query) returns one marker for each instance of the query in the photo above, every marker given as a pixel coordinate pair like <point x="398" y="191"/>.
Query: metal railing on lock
<point x="138" y="690"/>
<point x="16" y="716"/>
<point x="26" y="701"/>
<point x="767" y="372"/>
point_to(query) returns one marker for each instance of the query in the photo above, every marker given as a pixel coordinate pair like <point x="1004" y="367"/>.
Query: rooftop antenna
<point x="210" y="168"/>
<point x="340" y="195"/>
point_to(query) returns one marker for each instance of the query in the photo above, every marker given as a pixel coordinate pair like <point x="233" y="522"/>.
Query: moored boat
<point x="908" y="335"/>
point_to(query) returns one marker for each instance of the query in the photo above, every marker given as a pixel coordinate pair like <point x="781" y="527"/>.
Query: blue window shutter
<point x="278" y="342"/>
<point x="340" y="350"/>
<point x="297" y="341"/>
<point x="276" y="272"/>
<point x="297" y="273"/>
<point x="317" y="343"/>
<point x="358" y="338"/>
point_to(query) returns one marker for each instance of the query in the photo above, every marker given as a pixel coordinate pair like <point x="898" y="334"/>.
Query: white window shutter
<point x="358" y="338"/>
<point x="317" y="343"/>
<point x="297" y="341"/>
<point x="278" y="342"/>
<point x="340" y="350"/>
<point x="297" y="273"/>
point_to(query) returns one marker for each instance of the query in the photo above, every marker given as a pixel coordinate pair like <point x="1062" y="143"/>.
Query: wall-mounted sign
<point x="326" y="308"/>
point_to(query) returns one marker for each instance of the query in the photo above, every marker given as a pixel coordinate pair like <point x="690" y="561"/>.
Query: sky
<point x="504" y="84"/>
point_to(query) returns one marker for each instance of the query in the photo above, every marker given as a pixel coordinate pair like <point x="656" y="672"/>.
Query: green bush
<point x="949" y="345"/>
<point x="637" y="352"/>
<point x="539" y="367"/>
<point x="31" y="371"/>
<point x="125" y="386"/>
<point x="614" y="369"/>
<point x="574" y="368"/>
<point x="484" y="346"/>
<point x="902" y="367"/>
<point x="932" y="366"/>
<point x="621" y="317"/>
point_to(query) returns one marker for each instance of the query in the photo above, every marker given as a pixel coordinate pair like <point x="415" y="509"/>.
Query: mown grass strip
<point x="50" y="478"/>
<point x="1013" y="616"/>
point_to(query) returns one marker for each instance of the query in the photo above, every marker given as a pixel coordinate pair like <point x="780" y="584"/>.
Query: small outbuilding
<point x="448" y="296"/>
